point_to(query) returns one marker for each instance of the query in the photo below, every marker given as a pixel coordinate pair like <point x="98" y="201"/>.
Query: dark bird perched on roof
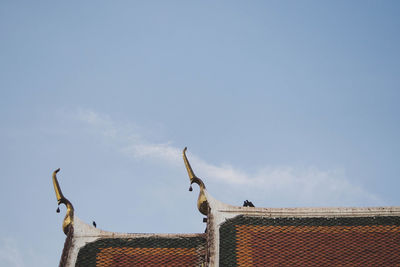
<point x="248" y="204"/>
<point x="94" y="224"/>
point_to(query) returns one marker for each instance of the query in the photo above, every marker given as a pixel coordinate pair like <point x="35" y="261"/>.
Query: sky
<point x="283" y="103"/>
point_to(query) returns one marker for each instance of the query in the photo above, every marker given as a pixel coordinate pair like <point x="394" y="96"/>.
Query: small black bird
<point x="248" y="204"/>
<point x="94" y="224"/>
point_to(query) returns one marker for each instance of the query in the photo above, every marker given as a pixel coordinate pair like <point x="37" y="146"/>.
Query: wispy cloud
<point x="309" y="185"/>
<point x="10" y="254"/>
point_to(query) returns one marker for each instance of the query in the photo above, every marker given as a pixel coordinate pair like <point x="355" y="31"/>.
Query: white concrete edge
<point x="217" y="218"/>
<point x="314" y="212"/>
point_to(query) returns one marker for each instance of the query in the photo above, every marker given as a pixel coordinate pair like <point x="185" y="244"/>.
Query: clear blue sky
<point x="284" y="103"/>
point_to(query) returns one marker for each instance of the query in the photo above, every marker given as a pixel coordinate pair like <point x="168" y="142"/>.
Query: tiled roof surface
<point x="146" y="251"/>
<point x="354" y="241"/>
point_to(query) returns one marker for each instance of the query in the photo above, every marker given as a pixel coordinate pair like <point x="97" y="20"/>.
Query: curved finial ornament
<point x="69" y="217"/>
<point x="202" y="203"/>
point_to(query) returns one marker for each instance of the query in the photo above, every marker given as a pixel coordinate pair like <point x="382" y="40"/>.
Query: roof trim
<point x="69" y="216"/>
<point x="315" y="212"/>
<point x="202" y="203"/>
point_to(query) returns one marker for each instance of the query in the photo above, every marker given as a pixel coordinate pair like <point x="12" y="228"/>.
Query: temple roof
<point x="178" y="250"/>
<point x="323" y="241"/>
<point x="88" y="246"/>
<point x="245" y="236"/>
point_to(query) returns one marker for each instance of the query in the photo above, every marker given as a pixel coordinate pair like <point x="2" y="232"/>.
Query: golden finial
<point x="69" y="217"/>
<point x="202" y="203"/>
